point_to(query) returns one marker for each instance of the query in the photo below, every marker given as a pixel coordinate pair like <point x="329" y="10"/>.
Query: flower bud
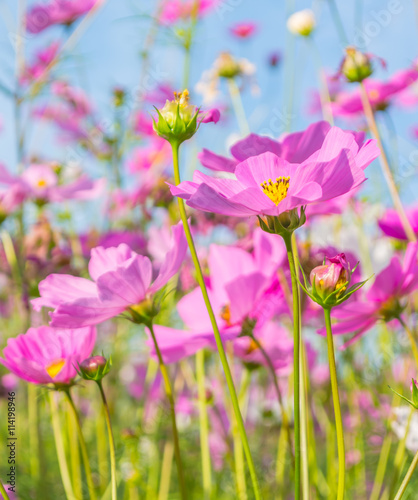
<point x="177" y="120"/>
<point x="301" y="22"/>
<point x="334" y="276"/>
<point x="226" y="66"/>
<point x="94" y="368"/>
<point x="356" y="66"/>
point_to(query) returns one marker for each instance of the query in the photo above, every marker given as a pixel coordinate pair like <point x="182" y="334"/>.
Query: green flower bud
<point x="177" y="120"/>
<point x="356" y="66"/>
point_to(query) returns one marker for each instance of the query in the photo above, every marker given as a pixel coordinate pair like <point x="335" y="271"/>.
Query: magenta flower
<point x="243" y="30"/>
<point x="239" y="290"/>
<point x="43" y="59"/>
<point x="268" y="184"/>
<point x="275" y="341"/>
<point x="294" y="148"/>
<point x="121" y="280"/>
<point x="47" y="355"/>
<point x="391" y="224"/>
<point x="380" y="93"/>
<point x="40" y="183"/>
<point x="182" y="10"/>
<point x="42" y="16"/>
<point x="385" y="300"/>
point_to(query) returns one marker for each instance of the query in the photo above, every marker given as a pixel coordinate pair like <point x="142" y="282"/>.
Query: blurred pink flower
<point x="275" y="341"/>
<point x="121" y="279"/>
<point x="40" y="183"/>
<point x="239" y="289"/>
<point x="244" y="29"/>
<point x="41" y="16"/>
<point x="47" y="355"/>
<point x="182" y="10"/>
<point x="380" y="93"/>
<point x="155" y="154"/>
<point x="42" y="60"/>
<point x="391" y="224"/>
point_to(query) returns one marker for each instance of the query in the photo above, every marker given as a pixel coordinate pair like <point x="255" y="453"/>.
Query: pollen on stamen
<point x="276" y="191"/>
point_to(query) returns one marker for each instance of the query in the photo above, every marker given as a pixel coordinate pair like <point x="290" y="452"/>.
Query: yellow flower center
<point x="226" y="315"/>
<point x="55" y="367"/>
<point x="253" y="346"/>
<point x="41" y="183"/>
<point x="374" y="94"/>
<point x="276" y="191"/>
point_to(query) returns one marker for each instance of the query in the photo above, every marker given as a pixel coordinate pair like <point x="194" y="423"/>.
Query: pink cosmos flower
<point x="43" y="59"/>
<point x="155" y="154"/>
<point x="384" y="300"/>
<point x="41" y="16"/>
<point x="268" y="184"/>
<point x="181" y="10"/>
<point x="10" y="494"/>
<point x="380" y="93"/>
<point x="75" y="97"/>
<point x="294" y="148"/>
<point x="243" y="30"/>
<point x="40" y="183"/>
<point x="276" y="342"/>
<point x="47" y="355"/>
<point x="121" y="279"/>
<point x="239" y="289"/>
<point x="391" y="224"/>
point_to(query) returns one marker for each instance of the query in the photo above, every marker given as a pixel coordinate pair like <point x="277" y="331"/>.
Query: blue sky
<point x="108" y="55"/>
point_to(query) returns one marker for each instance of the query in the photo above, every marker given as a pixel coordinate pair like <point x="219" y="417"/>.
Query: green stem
<point x="285" y="419"/>
<point x="111" y="441"/>
<point x="218" y="340"/>
<point x="387" y="173"/>
<point x="59" y="444"/>
<point x="83" y="447"/>
<point x="74" y="457"/>
<point x="296" y="361"/>
<point x="407" y="477"/>
<point x="170" y="397"/>
<point x="3" y="492"/>
<point x="381" y="467"/>
<point x="337" y="408"/>
<point x="235" y="94"/>
<point x="33" y="432"/>
<point x="204" y="424"/>
<point x="166" y="466"/>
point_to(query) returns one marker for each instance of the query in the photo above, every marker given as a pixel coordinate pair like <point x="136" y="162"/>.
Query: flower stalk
<point x="83" y="446"/>
<point x="111" y="440"/>
<point x="337" y="407"/>
<point x="170" y="397"/>
<point x="199" y="276"/>
<point x="296" y="362"/>
<point x="387" y="173"/>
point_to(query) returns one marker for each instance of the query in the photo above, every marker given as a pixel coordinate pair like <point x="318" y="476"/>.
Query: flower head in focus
<point x="384" y="301"/>
<point x="94" y="368"/>
<point x="330" y="281"/>
<point x="48" y="355"/>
